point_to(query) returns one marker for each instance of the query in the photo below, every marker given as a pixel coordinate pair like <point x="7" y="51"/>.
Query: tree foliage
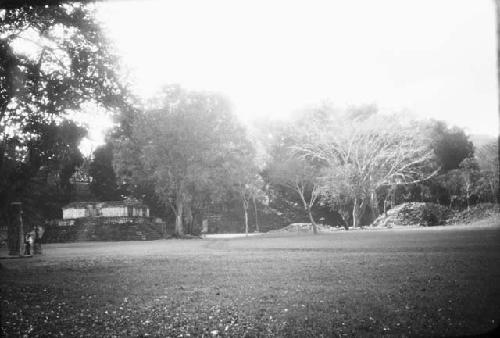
<point x="40" y="174"/>
<point x="364" y="152"/>
<point x="451" y="145"/>
<point x="288" y="169"/>
<point x="104" y="185"/>
<point x="52" y="59"/>
<point x="469" y="172"/>
<point x="186" y="147"/>
<point x="487" y="159"/>
<point x="248" y="185"/>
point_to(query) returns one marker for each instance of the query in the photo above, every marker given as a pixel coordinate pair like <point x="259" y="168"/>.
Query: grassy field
<point x="393" y="282"/>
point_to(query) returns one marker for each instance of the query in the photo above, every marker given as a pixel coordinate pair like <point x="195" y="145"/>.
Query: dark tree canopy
<point x="185" y="147"/>
<point x="451" y="145"/>
<point x="41" y="179"/>
<point x="52" y="60"/>
<point x="104" y="181"/>
<point x="65" y="60"/>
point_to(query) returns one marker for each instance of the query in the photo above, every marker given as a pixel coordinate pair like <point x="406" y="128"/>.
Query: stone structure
<point x="104" y="229"/>
<point x="80" y="182"/>
<point x="104" y="221"/>
<point x="125" y="208"/>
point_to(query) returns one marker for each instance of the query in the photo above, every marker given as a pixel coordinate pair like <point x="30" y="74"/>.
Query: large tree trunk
<point x="179" y="228"/>
<point x="357" y="212"/>
<point x="307" y="208"/>
<point x="256" y="220"/>
<point x="374" y="205"/>
<point x="314" y="225"/>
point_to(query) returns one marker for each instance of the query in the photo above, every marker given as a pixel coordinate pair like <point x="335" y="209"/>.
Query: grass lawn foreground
<point x="399" y="282"/>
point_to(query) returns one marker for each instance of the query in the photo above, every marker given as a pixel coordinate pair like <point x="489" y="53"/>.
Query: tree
<point x="487" y="159"/>
<point x="183" y="146"/>
<point x="63" y="61"/>
<point x="292" y="171"/>
<point x="245" y="193"/>
<point x="297" y="174"/>
<point x="39" y="175"/>
<point x="104" y="181"/>
<point x="258" y="194"/>
<point x="448" y="189"/>
<point x="469" y="172"/>
<point x="363" y="154"/>
<point x="451" y="145"/>
<point x="345" y="180"/>
<point x="52" y="59"/>
<point x="248" y="185"/>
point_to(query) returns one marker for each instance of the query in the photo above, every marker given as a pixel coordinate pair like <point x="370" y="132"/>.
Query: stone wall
<point x="73" y="213"/>
<point x="114" y="211"/>
<point x="105" y="229"/>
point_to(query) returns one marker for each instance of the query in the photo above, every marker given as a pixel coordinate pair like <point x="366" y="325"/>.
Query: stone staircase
<point x="104" y="229"/>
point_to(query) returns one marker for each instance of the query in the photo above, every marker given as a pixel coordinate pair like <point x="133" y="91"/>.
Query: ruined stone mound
<point x="413" y="214"/>
<point x="303" y="227"/>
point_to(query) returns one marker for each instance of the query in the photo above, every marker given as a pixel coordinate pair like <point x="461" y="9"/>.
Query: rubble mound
<point x="474" y="213"/>
<point x="413" y="214"/>
<point x="303" y="227"/>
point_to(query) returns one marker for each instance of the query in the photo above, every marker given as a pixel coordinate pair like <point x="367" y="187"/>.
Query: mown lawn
<point x="370" y="283"/>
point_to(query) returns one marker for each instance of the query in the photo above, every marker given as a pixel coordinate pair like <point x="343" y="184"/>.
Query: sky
<point x="433" y="59"/>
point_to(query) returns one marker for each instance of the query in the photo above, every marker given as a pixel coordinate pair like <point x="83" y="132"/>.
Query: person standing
<point x="27" y="244"/>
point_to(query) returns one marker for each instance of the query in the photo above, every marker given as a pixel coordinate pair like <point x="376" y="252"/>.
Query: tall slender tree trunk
<point x="386" y="203"/>
<point x="374" y="205"/>
<point x="355" y="213"/>
<point x="256" y="220"/>
<point x="245" y="208"/>
<point x="179" y="228"/>
<point x="393" y="195"/>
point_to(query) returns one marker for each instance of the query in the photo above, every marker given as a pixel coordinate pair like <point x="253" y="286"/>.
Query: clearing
<point x="400" y="282"/>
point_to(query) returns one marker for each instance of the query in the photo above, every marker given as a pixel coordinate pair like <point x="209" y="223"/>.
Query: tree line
<point x="189" y="153"/>
<point x="186" y="154"/>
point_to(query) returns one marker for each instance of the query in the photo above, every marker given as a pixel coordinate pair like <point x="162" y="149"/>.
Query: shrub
<point x="432" y="214"/>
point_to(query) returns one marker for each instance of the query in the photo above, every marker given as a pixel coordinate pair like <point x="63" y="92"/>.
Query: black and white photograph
<point x="236" y="168"/>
